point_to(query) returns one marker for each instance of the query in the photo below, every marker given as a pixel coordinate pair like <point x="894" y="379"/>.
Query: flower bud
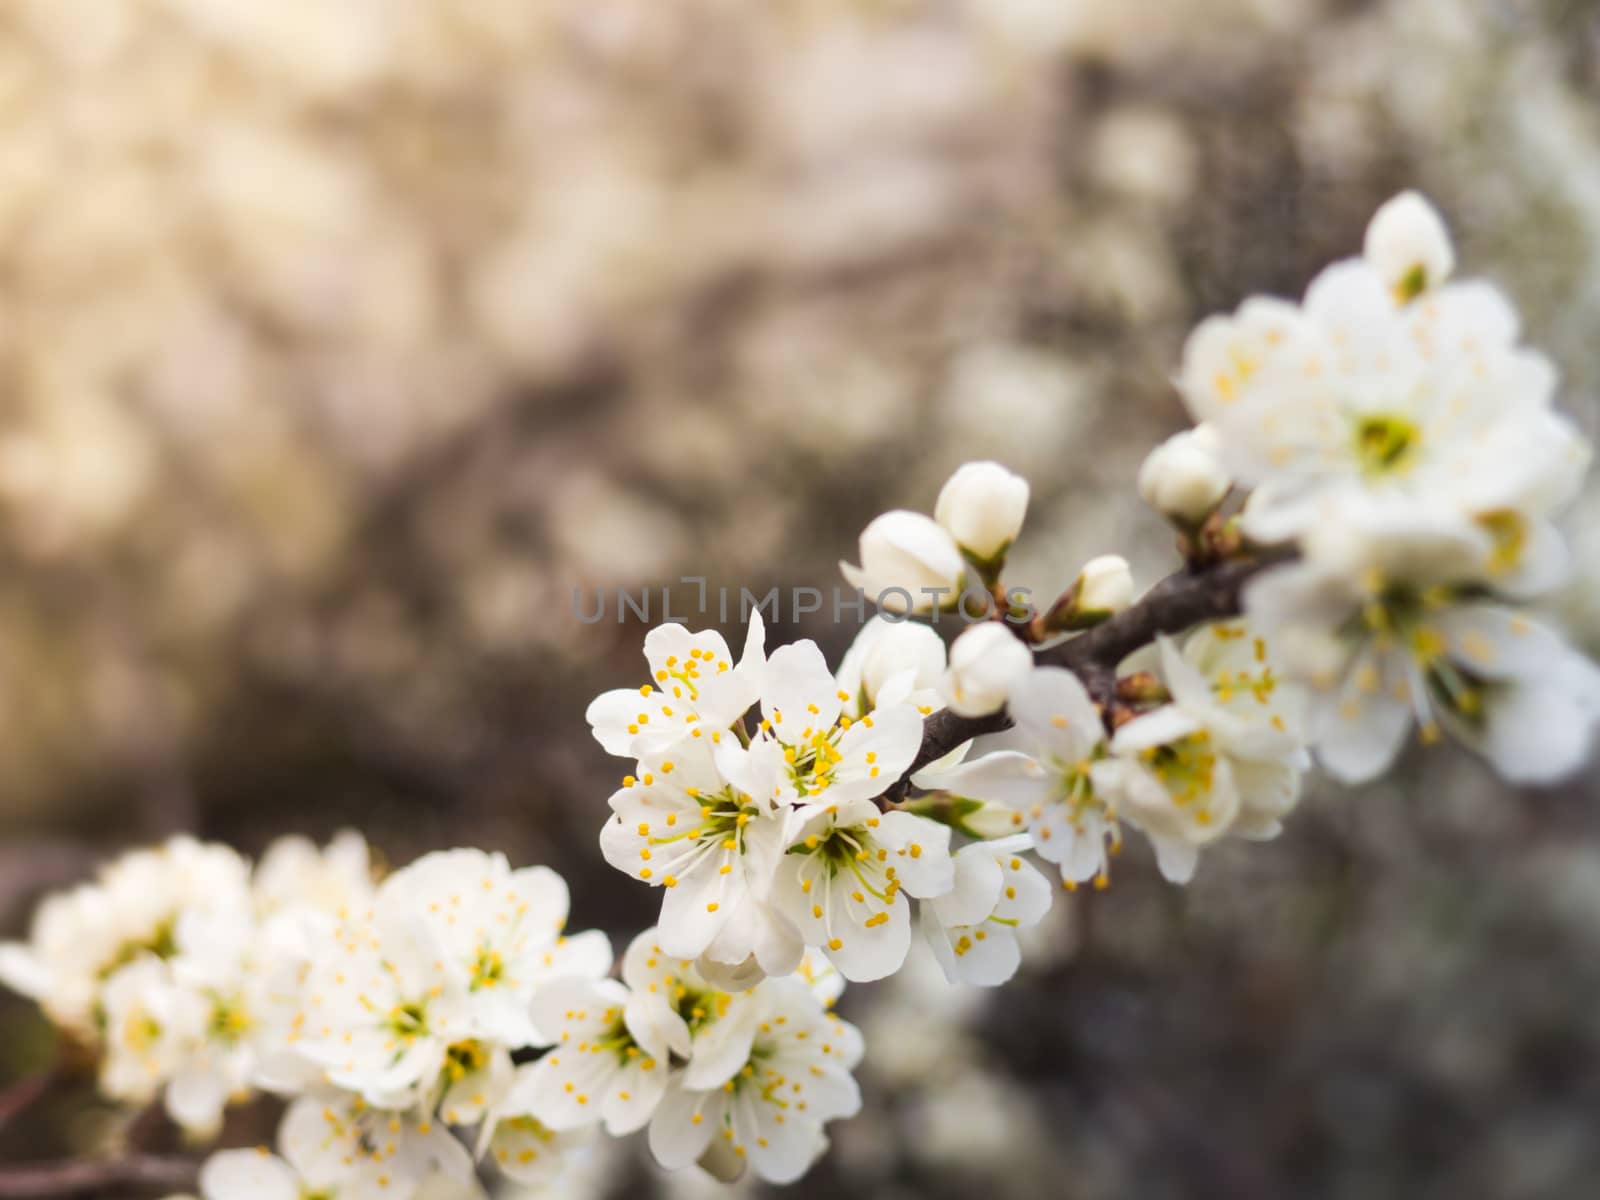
<point x="908" y="551"/>
<point x="984" y="819"/>
<point x="1182" y="478"/>
<point x="982" y="505"/>
<point x="1408" y="246"/>
<point x="883" y="650"/>
<point x="985" y="662"/>
<point x="1105" y="585"/>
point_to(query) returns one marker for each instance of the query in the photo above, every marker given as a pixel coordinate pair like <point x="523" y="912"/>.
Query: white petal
<point x="684" y="1124"/>
<point x="248" y="1175"/>
<point x="1004" y="777"/>
<point x="1051" y="705"/>
<point x="919" y="849"/>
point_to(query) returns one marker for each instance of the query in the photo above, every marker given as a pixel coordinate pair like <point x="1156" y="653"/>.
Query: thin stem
<point x="143" y="1172"/>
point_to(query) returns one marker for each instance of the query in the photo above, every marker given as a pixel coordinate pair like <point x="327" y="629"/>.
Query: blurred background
<point x="342" y="340"/>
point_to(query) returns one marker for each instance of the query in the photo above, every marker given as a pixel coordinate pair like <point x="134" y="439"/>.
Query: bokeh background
<point x="341" y="340"/>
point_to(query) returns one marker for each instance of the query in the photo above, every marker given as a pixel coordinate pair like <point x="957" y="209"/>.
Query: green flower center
<point x="1384" y="444"/>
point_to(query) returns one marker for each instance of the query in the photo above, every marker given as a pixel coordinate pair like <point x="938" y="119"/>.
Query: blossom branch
<point x="1179" y="602"/>
<point x="144" y="1172"/>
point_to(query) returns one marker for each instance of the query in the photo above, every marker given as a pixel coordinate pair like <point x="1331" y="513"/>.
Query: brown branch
<point x="142" y="1172"/>
<point x="1179" y="602"/>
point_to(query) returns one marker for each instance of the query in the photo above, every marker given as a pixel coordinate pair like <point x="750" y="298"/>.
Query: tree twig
<point x="141" y="1172"/>
<point x="1180" y="601"/>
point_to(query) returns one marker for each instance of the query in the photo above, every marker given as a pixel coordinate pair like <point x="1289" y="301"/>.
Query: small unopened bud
<point x="1408" y="246"/>
<point x="1142" y="687"/>
<point x="982" y="506"/>
<point x="984" y="819"/>
<point x="1183" y="479"/>
<point x="985" y="662"/>
<point x="1105" y="586"/>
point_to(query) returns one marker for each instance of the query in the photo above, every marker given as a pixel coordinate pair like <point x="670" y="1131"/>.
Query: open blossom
<point x="709" y="1027"/>
<point x="770" y="1112"/>
<point x="1351" y="394"/>
<point x="902" y="654"/>
<point x="824" y="753"/>
<point x="840" y="883"/>
<point x="1376" y="621"/>
<point x="380" y="1013"/>
<point x="295" y="873"/>
<point x="713" y="849"/>
<point x="149" y="1022"/>
<point x="1060" y="790"/>
<point x="1225" y="756"/>
<point x="609" y="1062"/>
<point x="501" y="927"/>
<point x="982" y="506"/>
<point x="338" y="1141"/>
<point x="909" y="563"/>
<point x="695" y="689"/>
<point x="985" y="660"/>
<point x="528" y="1152"/>
<point x="335" y="1146"/>
<point x="972" y="929"/>
<point x="79" y="937"/>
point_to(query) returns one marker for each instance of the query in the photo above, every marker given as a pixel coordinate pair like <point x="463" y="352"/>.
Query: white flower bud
<point x="1105" y="585"/>
<point x="909" y="551"/>
<point x="1182" y="478"/>
<point x="1408" y="246"/>
<point x="986" y="819"/>
<point x="982" y="505"/>
<point x="985" y="661"/>
<point x="884" y="649"/>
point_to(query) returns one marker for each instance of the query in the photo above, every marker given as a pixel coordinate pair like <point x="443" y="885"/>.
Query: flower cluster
<point x="1365" y="509"/>
<point x="388" y="1013"/>
<point x="1397" y="433"/>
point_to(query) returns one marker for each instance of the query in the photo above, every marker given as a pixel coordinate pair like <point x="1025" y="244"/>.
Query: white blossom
<point x="1225" y="756"/>
<point x="1408" y="246"/>
<point x="1349" y="397"/>
<point x="695" y="689"/>
<point x="1059" y="792"/>
<point x="771" y="1111"/>
<point x="709" y="1027"/>
<point x="79" y="937"/>
<point x="1376" y="621"/>
<point x="985" y="661"/>
<point x="381" y="1009"/>
<point x="840" y="883"/>
<point x="902" y="653"/>
<point x="1183" y="478"/>
<point x="909" y="563"/>
<point x="982" y="507"/>
<point x="609" y="1062"/>
<point x="530" y="1153"/>
<point x="337" y="1141"/>
<point x="712" y="847"/>
<point x="295" y="872"/>
<point x="972" y="929"/>
<point x="335" y="1148"/>
<point x="1105" y="585"/>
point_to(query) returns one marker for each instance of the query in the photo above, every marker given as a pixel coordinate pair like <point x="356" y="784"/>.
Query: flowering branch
<point x="156" y="1173"/>
<point x="1179" y="602"/>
